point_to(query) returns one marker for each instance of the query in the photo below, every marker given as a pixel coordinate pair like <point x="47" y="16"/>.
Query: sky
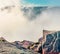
<point x="19" y="22"/>
<point x="42" y="2"/>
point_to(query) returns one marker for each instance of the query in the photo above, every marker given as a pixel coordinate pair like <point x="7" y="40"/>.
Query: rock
<point x="52" y="43"/>
<point x="13" y="48"/>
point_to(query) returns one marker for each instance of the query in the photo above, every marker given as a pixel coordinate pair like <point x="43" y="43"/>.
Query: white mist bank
<point x="15" y="26"/>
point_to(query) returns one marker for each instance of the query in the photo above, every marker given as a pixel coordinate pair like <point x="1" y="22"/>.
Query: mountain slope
<point x="10" y="48"/>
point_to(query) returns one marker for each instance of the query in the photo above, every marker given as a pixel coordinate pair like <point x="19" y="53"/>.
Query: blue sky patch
<point x="42" y="2"/>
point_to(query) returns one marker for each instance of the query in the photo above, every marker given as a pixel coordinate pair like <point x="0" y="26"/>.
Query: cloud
<point x="47" y="19"/>
<point x="33" y="12"/>
<point x="53" y="19"/>
<point x="26" y="23"/>
<point x="11" y="21"/>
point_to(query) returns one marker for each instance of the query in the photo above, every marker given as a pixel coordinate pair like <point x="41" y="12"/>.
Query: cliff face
<point x="45" y="32"/>
<point x="52" y="43"/>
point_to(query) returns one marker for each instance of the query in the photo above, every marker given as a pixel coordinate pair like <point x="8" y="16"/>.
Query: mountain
<point x="23" y="44"/>
<point x="13" y="48"/>
<point x="7" y="48"/>
<point x="52" y="41"/>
